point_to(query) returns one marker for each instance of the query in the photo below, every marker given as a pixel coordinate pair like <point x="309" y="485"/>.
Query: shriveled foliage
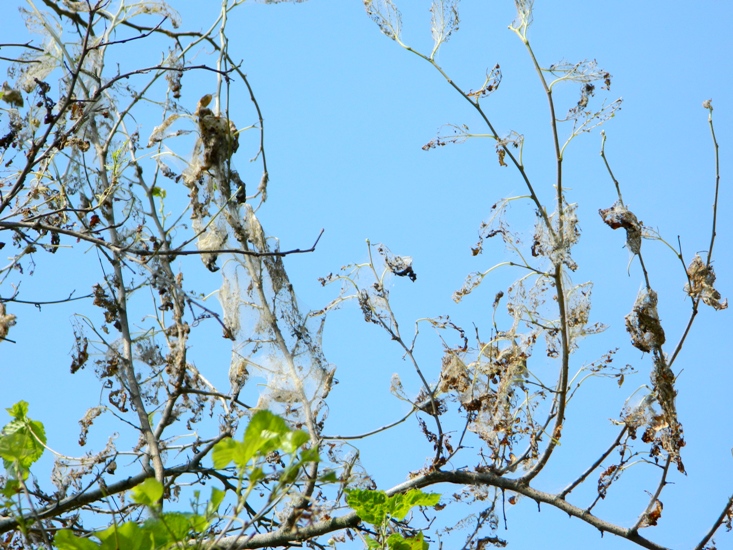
<point x="113" y="155"/>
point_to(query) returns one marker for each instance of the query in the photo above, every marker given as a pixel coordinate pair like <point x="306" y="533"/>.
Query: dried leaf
<point x="652" y="517"/>
<point x="702" y="278"/>
<point x="6" y="321"/>
<point x="11" y="96"/>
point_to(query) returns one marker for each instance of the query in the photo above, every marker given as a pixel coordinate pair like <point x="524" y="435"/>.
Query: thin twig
<point x="367" y="434"/>
<point x="120" y="249"/>
<point x="565" y="492"/>
<point x="655" y="497"/>
<point x="724" y="516"/>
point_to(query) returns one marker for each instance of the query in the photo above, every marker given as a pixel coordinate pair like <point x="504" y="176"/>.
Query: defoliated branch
<point x="141" y="252"/>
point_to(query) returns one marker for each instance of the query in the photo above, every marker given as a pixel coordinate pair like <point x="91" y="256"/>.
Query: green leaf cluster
<point x="265" y="434"/>
<point x="22" y="442"/>
<point x="377" y="508"/>
<point x="158" y="532"/>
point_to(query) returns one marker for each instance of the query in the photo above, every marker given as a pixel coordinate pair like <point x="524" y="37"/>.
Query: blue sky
<point x="346" y="114"/>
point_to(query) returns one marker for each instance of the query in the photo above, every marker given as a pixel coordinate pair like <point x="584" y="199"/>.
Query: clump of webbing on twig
<point x="398" y="265"/>
<point x="620" y="216"/>
<point x="643" y="322"/>
<point x="214" y="237"/>
<point x="219" y="135"/>
<point x="489" y="384"/>
<point x="669" y="431"/>
<point x="556" y="245"/>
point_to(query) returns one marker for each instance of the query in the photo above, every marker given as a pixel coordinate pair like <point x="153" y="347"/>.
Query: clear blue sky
<point x="346" y="113"/>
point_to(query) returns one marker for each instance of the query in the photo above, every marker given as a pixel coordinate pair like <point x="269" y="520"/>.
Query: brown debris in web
<point x="218" y="135"/>
<point x="668" y="428"/>
<point x="619" y="216"/>
<point x="86" y="423"/>
<point x="399" y="265"/>
<point x="661" y="428"/>
<point x="80" y="353"/>
<point x="702" y="279"/>
<point x="489" y="384"/>
<point x="454" y="374"/>
<point x="643" y="322"/>
<point x="557" y="244"/>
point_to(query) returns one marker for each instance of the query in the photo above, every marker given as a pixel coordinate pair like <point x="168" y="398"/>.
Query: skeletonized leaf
<point x="524" y="14"/>
<point x="472" y="281"/>
<point x="444" y="21"/>
<point x="583" y="71"/>
<point x="491" y="84"/>
<point x="156" y="7"/>
<point x="158" y="133"/>
<point x="386" y="15"/>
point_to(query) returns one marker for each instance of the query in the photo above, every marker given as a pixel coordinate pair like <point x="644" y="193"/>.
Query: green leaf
<point x="329" y="477"/>
<point x="179" y="525"/>
<point x="217" y="496"/>
<point x="171" y="527"/>
<point x="266" y="424"/>
<point x="290" y="474"/>
<point x="158" y="192"/>
<point x="375" y="506"/>
<point x="256" y="475"/>
<point x="198" y="523"/>
<point x="223" y="453"/>
<point x="292" y="441"/>
<point x="401" y="504"/>
<point x="128" y="535"/>
<point x="22" y="440"/>
<point x="370" y="506"/>
<point x="148" y="492"/>
<point x="398" y="542"/>
<point x="264" y="432"/>
<point x="19" y="410"/>
<point x="66" y="540"/>
<point x="157" y="533"/>
<point x="17" y="448"/>
<point x="309" y="455"/>
<point x="11" y="488"/>
<point x="39" y="432"/>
